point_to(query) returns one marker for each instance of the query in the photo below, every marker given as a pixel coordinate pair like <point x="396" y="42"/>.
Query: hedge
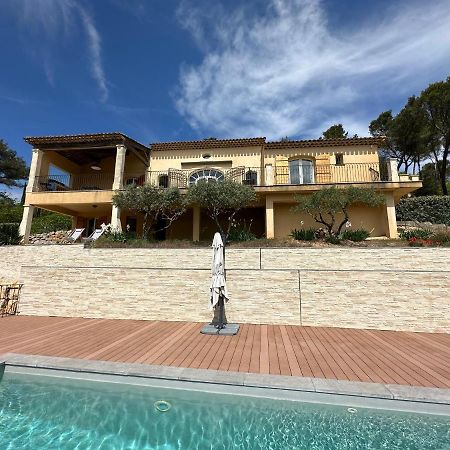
<point x="49" y="222"/>
<point x="9" y="234"/>
<point x="433" y="208"/>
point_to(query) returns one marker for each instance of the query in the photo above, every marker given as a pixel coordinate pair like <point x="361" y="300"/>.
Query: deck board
<point x="417" y="359"/>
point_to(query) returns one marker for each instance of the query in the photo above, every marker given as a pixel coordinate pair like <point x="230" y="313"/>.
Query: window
<point x="301" y="171"/>
<point x="339" y="159"/>
<point x="163" y="181"/>
<point x="251" y="178"/>
<point x="209" y="175"/>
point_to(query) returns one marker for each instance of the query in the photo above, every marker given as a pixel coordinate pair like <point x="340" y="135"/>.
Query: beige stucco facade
<point x="78" y="175"/>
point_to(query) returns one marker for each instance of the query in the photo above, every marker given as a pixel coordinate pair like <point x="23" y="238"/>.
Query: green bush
<point x="354" y="235"/>
<point x="116" y="236"/>
<point x="303" y="235"/>
<point x="442" y="236"/>
<point x="417" y="234"/>
<point x="9" y="234"/>
<point x="433" y="208"/>
<point x="333" y="239"/>
<point x="10" y="213"/>
<point x="49" y="222"/>
<point x="240" y="235"/>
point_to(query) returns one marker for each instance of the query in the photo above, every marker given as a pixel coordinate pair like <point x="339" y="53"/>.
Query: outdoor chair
<point x="75" y="234"/>
<point x="96" y="234"/>
<point x="9" y="299"/>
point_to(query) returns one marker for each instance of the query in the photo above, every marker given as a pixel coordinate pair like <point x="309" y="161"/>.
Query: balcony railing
<point x="252" y="176"/>
<point x="84" y="182"/>
<point x="332" y="173"/>
<point x="183" y="178"/>
<point x="280" y="175"/>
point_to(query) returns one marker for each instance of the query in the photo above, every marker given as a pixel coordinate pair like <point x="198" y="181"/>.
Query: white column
<point x="392" y="169"/>
<point x="116" y="224"/>
<point x="269" y="175"/>
<point x="391" y="225"/>
<point x="119" y="167"/>
<point x="270" y="219"/>
<point x="25" y="224"/>
<point x="35" y="169"/>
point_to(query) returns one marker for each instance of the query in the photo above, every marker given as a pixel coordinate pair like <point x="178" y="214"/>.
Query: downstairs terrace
<point x="374" y="356"/>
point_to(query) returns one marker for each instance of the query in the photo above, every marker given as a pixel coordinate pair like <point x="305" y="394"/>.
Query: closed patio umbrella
<point x="218" y="287"/>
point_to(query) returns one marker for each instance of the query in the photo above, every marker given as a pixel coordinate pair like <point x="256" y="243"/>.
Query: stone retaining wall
<point x="399" y="289"/>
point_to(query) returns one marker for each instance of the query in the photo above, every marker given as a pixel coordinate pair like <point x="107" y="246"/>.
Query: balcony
<point x="274" y="176"/>
<point x="83" y="182"/>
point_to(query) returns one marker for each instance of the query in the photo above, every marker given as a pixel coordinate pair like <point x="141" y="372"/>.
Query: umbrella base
<point x="228" y="330"/>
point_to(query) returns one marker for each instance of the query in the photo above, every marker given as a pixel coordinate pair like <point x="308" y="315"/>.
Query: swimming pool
<point x="41" y="412"/>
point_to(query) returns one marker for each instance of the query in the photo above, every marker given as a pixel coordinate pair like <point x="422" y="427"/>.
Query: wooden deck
<point x="418" y="359"/>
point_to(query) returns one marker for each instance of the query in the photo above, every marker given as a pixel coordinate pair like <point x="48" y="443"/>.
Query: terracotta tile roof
<point x="207" y="144"/>
<point x="96" y="138"/>
<point x="325" y="143"/>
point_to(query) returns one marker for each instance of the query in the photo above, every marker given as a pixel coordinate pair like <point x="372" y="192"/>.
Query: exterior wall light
<point x="95" y="167"/>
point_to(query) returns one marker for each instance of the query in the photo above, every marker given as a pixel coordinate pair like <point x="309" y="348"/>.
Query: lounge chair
<point x="75" y="234"/>
<point x="96" y="234"/>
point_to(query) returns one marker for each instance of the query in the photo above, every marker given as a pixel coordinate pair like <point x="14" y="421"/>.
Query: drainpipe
<point x="263" y="168"/>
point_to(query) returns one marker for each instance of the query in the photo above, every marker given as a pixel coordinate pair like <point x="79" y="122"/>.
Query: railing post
<point x="392" y="170"/>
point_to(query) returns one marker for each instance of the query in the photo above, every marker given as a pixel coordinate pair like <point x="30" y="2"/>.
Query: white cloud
<point x="51" y="20"/>
<point x="287" y="73"/>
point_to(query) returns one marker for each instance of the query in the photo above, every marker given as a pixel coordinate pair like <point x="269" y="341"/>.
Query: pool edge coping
<point x="407" y="393"/>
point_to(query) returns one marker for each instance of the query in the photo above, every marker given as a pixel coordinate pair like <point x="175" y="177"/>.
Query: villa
<point x="77" y="175"/>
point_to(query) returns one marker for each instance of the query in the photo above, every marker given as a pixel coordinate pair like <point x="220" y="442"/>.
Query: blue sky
<point x="161" y="70"/>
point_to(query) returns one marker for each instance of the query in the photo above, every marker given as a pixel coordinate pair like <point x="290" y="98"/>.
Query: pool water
<point x="38" y="412"/>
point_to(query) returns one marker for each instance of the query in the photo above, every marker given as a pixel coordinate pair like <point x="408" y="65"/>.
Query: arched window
<point x="301" y="171"/>
<point x="209" y="175"/>
<point x="251" y="178"/>
<point x="163" y="181"/>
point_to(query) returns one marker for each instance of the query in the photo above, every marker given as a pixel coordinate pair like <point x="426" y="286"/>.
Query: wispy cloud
<point x="95" y="51"/>
<point x="52" y="20"/>
<point x="286" y="72"/>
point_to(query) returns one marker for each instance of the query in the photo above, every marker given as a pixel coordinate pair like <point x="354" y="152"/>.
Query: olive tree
<point x="330" y="206"/>
<point x="154" y="203"/>
<point x="221" y="201"/>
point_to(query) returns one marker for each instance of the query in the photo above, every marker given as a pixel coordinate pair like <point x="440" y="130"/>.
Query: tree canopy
<point x="159" y="206"/>
<point x="335" y="132"/>
<point x="419" y="132"/>
<point x="12" y="167"/>
<point x="330" y="206"/>
<point x="221" y="201"/>
<point x="435" y="102"/>
<point x="407" y="135"/>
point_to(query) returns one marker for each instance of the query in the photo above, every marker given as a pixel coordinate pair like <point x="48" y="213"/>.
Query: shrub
<point x="241" y="232"/>
<point x="9" y="234"/>
<point x="415" y="242"/>
<point x="116" y="236"/>
<point x="354" y="235"/>
<point x="407" y="235"/>
<point x="303" y="235"/>
<point x="333" y="239"/>
<point x="49" y="222"/>
<point x="442" y="236"/>
<point x="433" y="208"/>
<point x="10" y="213"/>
